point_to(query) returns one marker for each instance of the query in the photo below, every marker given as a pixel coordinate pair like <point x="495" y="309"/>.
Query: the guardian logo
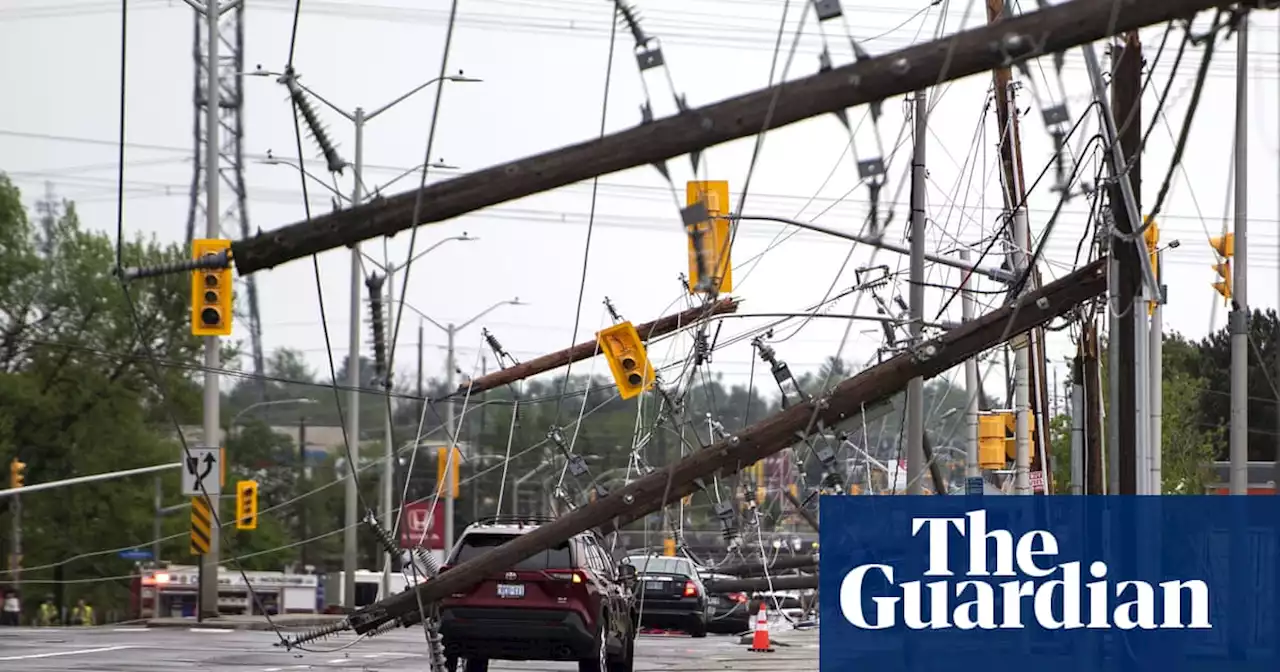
<point x="1055" y="602"/>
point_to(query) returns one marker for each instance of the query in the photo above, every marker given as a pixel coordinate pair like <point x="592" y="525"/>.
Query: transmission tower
<point x="235" y="218"/>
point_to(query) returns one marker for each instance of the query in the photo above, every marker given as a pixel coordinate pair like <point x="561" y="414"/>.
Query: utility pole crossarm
<point x="974" y="51"/>
<point x="648" y="331"/>
<point x="649" y="493"/>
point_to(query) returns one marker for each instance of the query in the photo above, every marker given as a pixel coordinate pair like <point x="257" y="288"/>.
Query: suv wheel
<point x="600" y="662"/>
<point x="626" y="661"/>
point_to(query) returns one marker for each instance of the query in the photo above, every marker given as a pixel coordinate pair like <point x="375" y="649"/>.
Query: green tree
<point x="90" y="381"/>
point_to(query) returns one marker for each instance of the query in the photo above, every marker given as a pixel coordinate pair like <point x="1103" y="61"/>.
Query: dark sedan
<point x="669" y="594"/>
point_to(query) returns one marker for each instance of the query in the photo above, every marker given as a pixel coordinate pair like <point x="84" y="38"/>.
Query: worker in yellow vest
<point x="82" y="614"/>
<point x="47" y="616"/>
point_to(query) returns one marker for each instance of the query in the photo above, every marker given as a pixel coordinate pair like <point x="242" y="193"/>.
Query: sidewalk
<point x="283" y="621"/>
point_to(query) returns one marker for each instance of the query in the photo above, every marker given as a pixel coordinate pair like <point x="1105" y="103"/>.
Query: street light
<point x="302" y="400"/>
<point x="358" y="118"/>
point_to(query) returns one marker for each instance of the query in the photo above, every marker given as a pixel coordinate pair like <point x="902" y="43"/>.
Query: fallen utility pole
<point x="970" y="52"/>
<point x="755" y="568"/>
<point x="809" y="581"/>
<point x="648" y="331"/>
<point x="809" y="517"/>
<point x="649" y="493"/>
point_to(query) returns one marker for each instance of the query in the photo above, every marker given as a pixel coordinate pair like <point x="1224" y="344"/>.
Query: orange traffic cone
<point x="760" y="638"/>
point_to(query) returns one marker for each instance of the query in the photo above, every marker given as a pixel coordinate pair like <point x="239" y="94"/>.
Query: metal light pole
<point x="972" y="382"/>
<point x="300" y="400"/>
<point x="351" y="514"/>
<point x="915" y="388"/>
<point x="207" y="602"/>
<point x="388" y="463"/>
<point x="1239" y="319"/>
<point x="451" y="431"/>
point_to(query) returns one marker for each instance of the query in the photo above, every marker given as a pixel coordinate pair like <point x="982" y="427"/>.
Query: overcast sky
<point x="543" y="66"/>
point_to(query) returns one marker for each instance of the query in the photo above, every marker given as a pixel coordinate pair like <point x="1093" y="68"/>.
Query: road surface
<point x="137" y="649"/>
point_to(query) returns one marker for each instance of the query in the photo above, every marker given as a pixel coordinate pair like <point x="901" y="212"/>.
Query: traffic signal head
<point x="17" y="473"/>
<point x="1223" y="285"/>
<point x="247" y="505"/>
<point x="210" y="291"/>
<point x="710" y="240"/>
<point x="628" y="362"/>
<point x="1224" y="245"/>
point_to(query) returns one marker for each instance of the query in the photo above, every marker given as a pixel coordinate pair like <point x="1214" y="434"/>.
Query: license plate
<point x="654" y="585"/>
<point x="714" y="600"/>
<point x="513" y="590"/>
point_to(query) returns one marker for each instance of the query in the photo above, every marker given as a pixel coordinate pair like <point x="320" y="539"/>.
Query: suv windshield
<point x="664" y="565"/>
<point x="476" y="545"/>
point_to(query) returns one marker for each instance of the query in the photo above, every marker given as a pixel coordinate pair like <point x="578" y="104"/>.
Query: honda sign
<point x="422" y="523"/>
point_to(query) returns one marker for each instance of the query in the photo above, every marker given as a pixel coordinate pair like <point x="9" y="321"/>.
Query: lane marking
<point x="141" y="628"/>
<point x="210" y="630"/>
<point x="76" y="652"/>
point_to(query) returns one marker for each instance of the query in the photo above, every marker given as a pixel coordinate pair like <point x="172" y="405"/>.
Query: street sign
<point x="202" y="529"/>
<point x="414" y="522"/>
<point x="135" y="554"/>
<point x="973" y="485"/>
<point x="1037" y="481"/>
<point x="202" y="472"/>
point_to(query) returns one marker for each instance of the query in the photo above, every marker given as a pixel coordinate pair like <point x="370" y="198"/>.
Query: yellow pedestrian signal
<point x="669" y="547"/>
<point x="1225" y="246"/>
<point x="247" y="505"/>
<point x="210" y="291"/>
<point x="17" y="473"/>
<point x="447" y="472"/>
<point x="1152" y="237"/>
<point x="628" y="362"/>
<point x="715" y="234"/>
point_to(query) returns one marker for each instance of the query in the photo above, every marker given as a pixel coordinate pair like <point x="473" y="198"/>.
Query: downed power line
<point x="651" y="492"/>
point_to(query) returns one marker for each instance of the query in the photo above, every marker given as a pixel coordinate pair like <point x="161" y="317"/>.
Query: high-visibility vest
<point x="48" y="614"/>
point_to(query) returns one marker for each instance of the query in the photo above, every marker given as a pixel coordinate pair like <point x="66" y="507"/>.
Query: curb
<point x="219" y="624"/>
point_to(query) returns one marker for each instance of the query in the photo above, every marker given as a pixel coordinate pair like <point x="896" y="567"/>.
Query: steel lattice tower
<point x="235" y="218"/>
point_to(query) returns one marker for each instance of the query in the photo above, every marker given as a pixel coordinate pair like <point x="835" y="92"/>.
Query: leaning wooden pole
<point x="767" y="437"/>
<point x="970" y="52"/>
<point x="588" y="349"/>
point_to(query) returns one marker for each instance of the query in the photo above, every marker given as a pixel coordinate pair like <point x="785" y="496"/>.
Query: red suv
<point x="567" y="603"/>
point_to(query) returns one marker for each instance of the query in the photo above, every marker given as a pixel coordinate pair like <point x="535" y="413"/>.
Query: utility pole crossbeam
<point x="648" y="493"/>
<point x="970" y="52"/>
<point x="586" y="350"/>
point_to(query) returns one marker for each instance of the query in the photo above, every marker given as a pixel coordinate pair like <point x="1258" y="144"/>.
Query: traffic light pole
<point x="1238" y="322"/>
<point x="915" y="387"/>
<point x="451" y="435"/>
<point x="15" y="560"/>
<point x="352" y="495"/>
<point x="207" y="603"/>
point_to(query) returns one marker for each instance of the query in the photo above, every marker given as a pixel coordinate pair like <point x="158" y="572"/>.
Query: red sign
<point x="420" y="525"/>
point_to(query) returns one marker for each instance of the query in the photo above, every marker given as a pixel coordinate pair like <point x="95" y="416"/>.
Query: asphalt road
<point x="108" y="649"/>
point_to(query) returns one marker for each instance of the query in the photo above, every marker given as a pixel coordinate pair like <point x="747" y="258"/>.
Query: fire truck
<point x="163" y="590"/>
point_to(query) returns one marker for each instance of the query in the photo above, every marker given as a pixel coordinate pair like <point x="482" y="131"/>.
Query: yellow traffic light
<point x="247" y="505"/>
<point x="669" y="547"/>
<point x="1011" y="432"/>
<point x="17" y="473"/>
<point x="715" y="234"/>
<point x="210" y="291"/>
<point x="991" y="436"/>
<point x="1152" y="237"/>
<point x="628" y="362"/>
<point x="447" y="484"/>
<point x="1225" y="246"/>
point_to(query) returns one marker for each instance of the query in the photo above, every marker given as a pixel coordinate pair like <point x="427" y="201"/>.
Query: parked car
<point x="669" y="593"/>
<point x="567" y="603"/>
<point x="727" y="612"/>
